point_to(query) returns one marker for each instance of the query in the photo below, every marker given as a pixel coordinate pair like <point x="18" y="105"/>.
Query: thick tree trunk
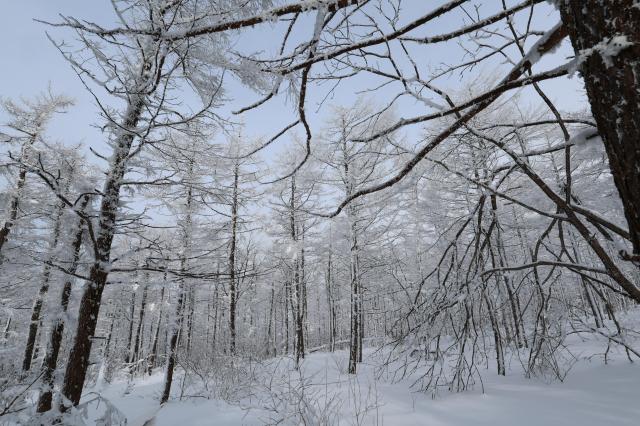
<point x="35" y="320"/>
<point x="606" y="36"/>
<point x="78" y="360"/>
<point x="51" y="358"/>
<point x="57" y="331"/>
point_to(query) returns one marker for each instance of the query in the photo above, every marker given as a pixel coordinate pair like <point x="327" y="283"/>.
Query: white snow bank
<point x="593" y="394"/>
<point x="321" y="393"/>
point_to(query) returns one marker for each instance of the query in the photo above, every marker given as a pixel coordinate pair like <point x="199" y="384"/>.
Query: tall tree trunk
<point x="177" y="324"/>
<point x="132" y="310"/>
<point x="143" y="304"/>
<point x="216" y="308"/>
<point x="173" y="345"/>
<point x="356" y="336"/>
<point x="330" y="302"/>
<point x="496" y="333"/>
<point x="297" y="284"/>
<point x="153" y="356"/>
<point x="189" y="323"/>
<point x="57" y="331"/>
<point x="605" y="34"/>
<point x="107" y="344"/>
<point x="232" y="263"/>
<point x="303" y="292"/>
<point x="46" y="277"/>
<point x="514" y="302"/>
<point x="288" y="305"/>
<point x="270" y="349"/>
<point x="89" y="310"/>
<point x="355" y="351"/>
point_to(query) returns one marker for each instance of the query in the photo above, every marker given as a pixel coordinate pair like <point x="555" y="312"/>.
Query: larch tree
<point x="153" y="66"/>
<point x="26" y="126"/>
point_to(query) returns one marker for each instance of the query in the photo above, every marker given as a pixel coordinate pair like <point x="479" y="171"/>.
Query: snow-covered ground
<point x="593" y="393"/>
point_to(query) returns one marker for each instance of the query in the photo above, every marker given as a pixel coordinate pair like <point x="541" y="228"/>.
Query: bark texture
<point x="611" y="72"/>
<point x="232" y="263"/>
<point x="78" y="361"/>
<point x="55" y="339"/>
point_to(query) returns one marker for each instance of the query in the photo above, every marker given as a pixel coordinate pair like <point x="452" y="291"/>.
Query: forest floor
<point x="593" y="393"/>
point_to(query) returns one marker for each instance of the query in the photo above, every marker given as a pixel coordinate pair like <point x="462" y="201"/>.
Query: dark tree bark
<point x="34" y="324"/>
<point x="613" y="86"/>
<point x="232" y="263"/>
<point x="173" y="346"/>
<point x="132" y="309"/>
<point x="357" y="318"/>
<point x="13" y="210"/>
<point x="270" y="349"/>
<point x="178" y="321"/>
<point x="216" y="308"/>
<point x="78" y="361"/>
<point x="330" y="302"/>
<point x="288" y="305"/>
<point x="153" y="356"/>
<point x="496" y="333"/>
<point x="189" y="323"/>
<point x="36" y="310"/>
<point x="297" y="282"/>
<point x="14" y="205"/>
<point x="303" y="291"/>
<point x="107" y="344"/>
<point x="57" y="331"/>
<point x="137" y="343"/>
<point x="7" y="328"/>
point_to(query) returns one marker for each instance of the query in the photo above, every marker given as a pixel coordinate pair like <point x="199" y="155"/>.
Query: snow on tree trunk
<point x="137" y="342"/>
<point x="89" y="310"/>
<point x="232" y="263"/>
<point x="606" y="39"/>
<point x="14" y="205"/>
<point x="176" y="326"/>
<point x="46" y="277"/>
<point x="55" y="338"/>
